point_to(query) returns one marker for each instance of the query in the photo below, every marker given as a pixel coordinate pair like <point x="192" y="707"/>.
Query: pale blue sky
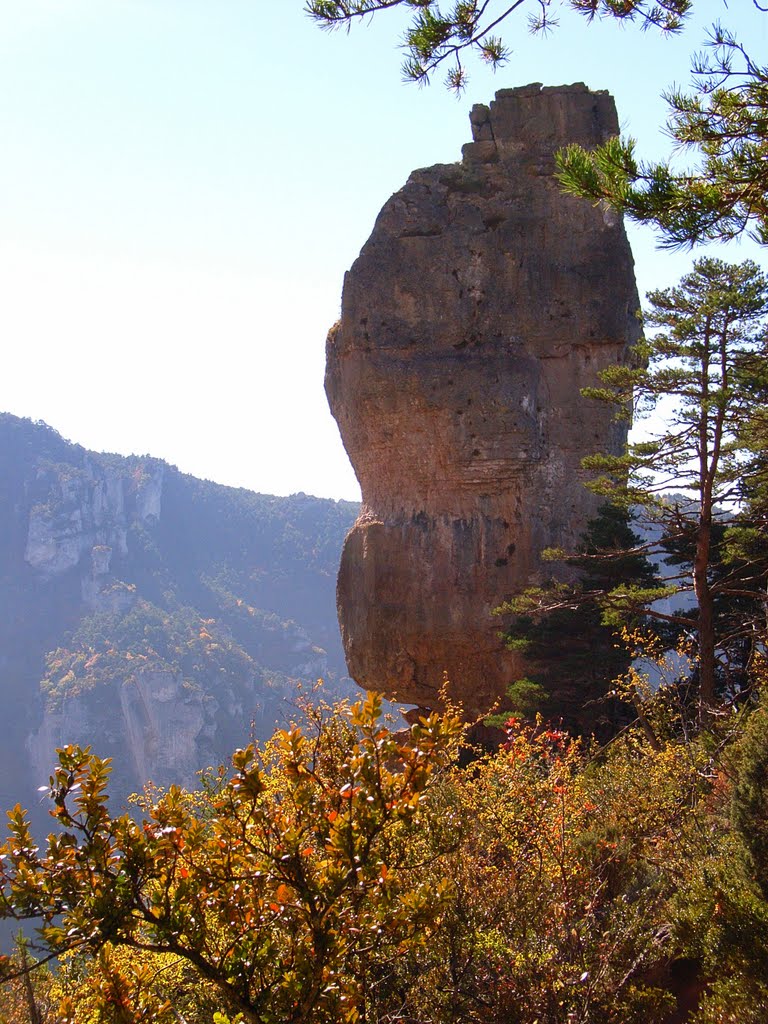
<point x="184" y="182"/>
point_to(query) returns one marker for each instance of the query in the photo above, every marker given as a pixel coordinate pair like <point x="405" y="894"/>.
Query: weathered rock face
<point x="88" y="509"/>
<point x="482" y="303"/>
<point x="154" y="725"/>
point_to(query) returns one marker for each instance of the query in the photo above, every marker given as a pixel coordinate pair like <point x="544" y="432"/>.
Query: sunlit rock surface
<point x="482" y="303"/>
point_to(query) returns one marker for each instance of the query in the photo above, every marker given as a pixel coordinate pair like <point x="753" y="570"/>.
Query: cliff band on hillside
<point x="482" y="303"/>
<point x="161" y="619"/>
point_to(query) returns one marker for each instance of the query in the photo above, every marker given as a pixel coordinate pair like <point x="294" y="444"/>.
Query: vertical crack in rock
<point x="482" y="303"/>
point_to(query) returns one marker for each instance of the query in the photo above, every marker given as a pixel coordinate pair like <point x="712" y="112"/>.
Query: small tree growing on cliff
<point x="699" y="482"/>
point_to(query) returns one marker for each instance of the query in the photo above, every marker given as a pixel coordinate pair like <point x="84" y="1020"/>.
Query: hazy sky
<point x="184" y="182"/>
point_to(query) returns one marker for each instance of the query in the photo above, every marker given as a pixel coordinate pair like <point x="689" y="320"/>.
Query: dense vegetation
<point x="344" y="873"/>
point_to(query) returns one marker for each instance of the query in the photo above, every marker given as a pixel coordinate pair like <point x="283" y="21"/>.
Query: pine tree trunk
<point x="706" y="607"/>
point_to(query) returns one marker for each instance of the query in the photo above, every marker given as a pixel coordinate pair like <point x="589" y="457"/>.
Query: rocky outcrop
<point x="87" y="510"/>
<point x="482" y="303"/>
<point x="153" y="729"/>
<point x="155" y="725"/>
<point x="84" y="520"/>
<point x="163" y="725"/>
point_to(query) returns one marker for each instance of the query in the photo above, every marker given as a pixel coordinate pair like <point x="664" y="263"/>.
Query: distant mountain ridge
<point x="160" y="618"/>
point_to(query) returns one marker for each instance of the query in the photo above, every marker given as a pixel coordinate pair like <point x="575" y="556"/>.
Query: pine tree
<point x="694" y="369"/>
<point x="568" y="633"/>
<point x="724" y="123"/>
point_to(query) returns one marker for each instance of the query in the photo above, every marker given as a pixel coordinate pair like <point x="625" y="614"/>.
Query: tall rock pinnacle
<point x="482" y="303"/>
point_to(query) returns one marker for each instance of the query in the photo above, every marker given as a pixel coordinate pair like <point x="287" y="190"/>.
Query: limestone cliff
<point x="482" y="303"/>
<point x="156" y="726"/>
<point x="84" y="517"/>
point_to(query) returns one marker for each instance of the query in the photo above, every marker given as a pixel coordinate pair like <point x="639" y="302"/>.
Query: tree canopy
<point x="723" y="123"/>
<point x="571" y="652"/>
<point x="704" y="334"/>
<point x="442" y="32"/>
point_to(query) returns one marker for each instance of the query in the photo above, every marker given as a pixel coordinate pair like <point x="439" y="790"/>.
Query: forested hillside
<point x="160" y="618"/>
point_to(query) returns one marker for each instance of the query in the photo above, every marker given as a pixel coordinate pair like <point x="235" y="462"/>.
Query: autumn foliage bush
<point x="346" y="872"/>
